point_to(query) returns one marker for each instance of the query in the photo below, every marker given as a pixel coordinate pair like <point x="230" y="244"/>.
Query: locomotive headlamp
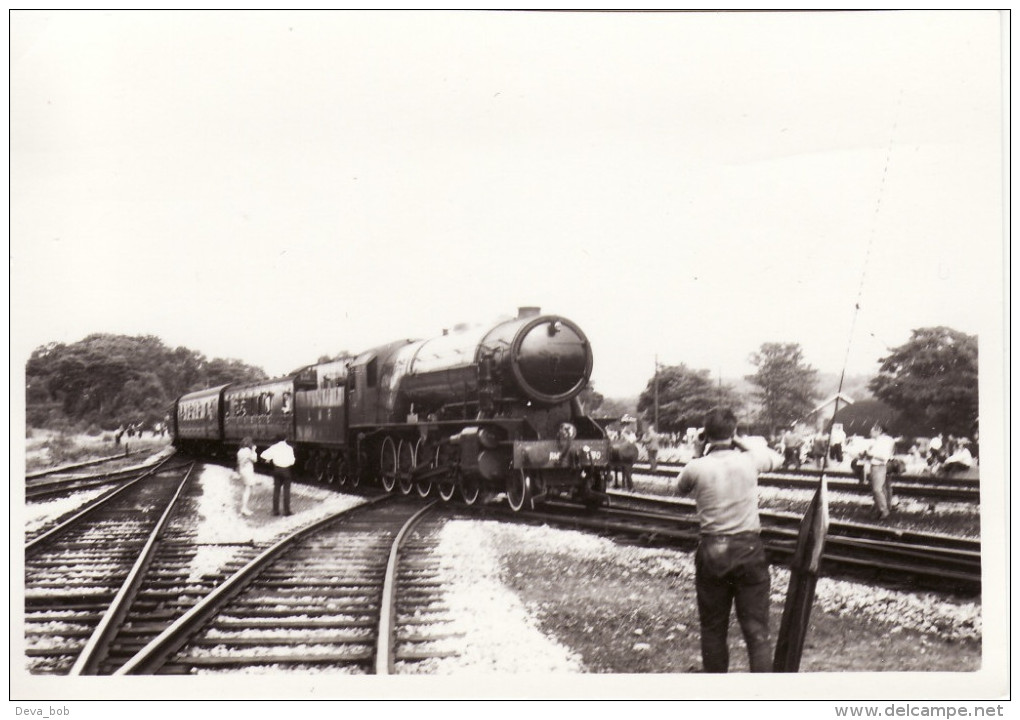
<point x="554" y="328"/>
<point x="566" y="433"/>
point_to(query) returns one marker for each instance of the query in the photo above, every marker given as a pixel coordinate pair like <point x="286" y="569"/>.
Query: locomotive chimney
<point x="526" y="311"/>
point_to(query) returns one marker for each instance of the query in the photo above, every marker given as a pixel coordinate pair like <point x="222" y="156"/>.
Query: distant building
<point x="824" y="413"/>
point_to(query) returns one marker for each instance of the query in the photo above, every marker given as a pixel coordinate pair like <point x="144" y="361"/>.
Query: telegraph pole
<point x="656" y="392"/>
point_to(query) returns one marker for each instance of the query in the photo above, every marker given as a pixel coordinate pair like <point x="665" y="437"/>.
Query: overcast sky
<point x="273" y="187"/>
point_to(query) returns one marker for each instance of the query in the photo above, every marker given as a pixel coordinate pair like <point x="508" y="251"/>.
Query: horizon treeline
<point x="107" y="381"/>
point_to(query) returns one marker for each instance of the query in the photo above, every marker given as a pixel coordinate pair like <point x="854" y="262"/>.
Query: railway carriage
<point x="474" y="412"/>
<point x="198" y="420"/>
<point x="261" y="410"/>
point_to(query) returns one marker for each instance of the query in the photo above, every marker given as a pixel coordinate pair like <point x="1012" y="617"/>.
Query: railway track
<point x="110" y="590"/>
<point x="354" y="593"/>
<point x="857" y="550"/>
<point x="56" y="470"/>
<point x="928" y="487"/>
<point x="39" y="490"/>
<point x="80" y="569"/>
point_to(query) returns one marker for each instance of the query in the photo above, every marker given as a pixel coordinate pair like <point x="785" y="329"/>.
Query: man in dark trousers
<point x="281" y="455"/>
<point x="730" y="562"/>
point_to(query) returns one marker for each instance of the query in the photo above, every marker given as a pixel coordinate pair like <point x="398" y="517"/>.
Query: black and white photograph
<point x="510" y="355"/>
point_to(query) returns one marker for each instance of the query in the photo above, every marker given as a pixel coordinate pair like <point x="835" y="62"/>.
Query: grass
<point x="625" y="617"/>
<point x="51" y="448"/>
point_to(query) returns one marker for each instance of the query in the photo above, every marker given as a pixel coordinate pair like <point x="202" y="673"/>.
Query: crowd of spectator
<point x="802" y="446"/>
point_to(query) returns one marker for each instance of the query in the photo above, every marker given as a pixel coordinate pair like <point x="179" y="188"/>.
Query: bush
<point x="62" y="449"/>
<point x="93" y="430"/>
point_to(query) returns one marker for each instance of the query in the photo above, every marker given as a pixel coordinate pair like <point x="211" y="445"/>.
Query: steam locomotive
<point x="474" y="412"/>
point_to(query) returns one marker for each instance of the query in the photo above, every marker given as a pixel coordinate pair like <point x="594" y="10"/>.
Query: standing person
<point x="651" y="440"/>
<point x="878" y="455"/>
<point x="626" y="453"/>
<point x="818" y="449"/>
<point x="281" y="455"/>
<point x="935" y="456"/>
<point x="836" y="442"/>
<point x="730" y="561"/>
<point x="792" y="443"/>
<point x="246" y="458"/>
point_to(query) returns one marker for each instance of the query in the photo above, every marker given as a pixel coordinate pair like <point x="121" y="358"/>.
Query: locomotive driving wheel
<point x="446" y="483"/>
<point x="332" y="468"/>
<point x="405" y="466"/>
<point x="470" y="489"/>
<point x="424" y="486"/>
<point x="320" y="467"/>
<point x="519" y="490"/>
<point x="388" y="464"/>
<point x="343" y="471"/>
<point x="354" y="474"/>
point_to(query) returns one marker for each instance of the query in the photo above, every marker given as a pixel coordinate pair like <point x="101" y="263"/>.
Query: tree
<point x="787" y="386"/>
<point x="617" y="407"/>
<point x="685" y="395"/>
<point x="109" y="380"/>
<point x="933" y="379"/>
<point x="221" y="372"/>
<point x="591" y="400"/>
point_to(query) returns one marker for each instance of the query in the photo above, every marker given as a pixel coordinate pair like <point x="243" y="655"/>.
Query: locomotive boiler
<point x="475" y="411"/>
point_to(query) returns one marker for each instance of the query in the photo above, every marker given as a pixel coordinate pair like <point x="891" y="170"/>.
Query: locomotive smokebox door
<point x="551" y="359"/>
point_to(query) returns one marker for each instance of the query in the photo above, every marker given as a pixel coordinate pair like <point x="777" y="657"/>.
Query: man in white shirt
<point x="281" y="455"/>
<point x="878" y="456"/>
<point x="836" y="440"/>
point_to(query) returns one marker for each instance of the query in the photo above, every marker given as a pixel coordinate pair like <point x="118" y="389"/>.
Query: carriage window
<point x="286" y="403"/>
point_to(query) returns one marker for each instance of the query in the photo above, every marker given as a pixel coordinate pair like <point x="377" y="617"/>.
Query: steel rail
<point x="151" y="657"/>
<point x="671" y="469"/>
<point x="98" y="643"/>
<point x="48" y="488"/>
<point x="938" y="563"/>
<point x="886" y="551"/>
<point x="89" y="507"/>
<point x="384" y="658"/>
<point x="75" y="466"/>
<point x="969" y="493"/>
<point x="102" y="473"/>
<point x="837" y="528"/>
